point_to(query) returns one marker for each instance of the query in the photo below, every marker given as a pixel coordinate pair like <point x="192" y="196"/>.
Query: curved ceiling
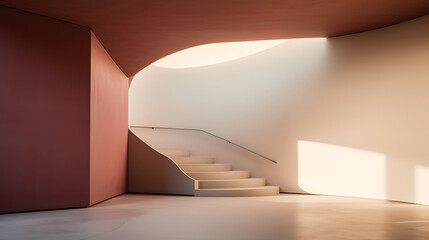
<point x="139" y="32"/>
<point x="214" y="53"/>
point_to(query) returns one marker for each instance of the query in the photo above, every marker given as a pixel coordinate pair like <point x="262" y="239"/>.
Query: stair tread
<point x="196" y="156"/>
<point x="169" y="149"/>
<point x="193" y="160"/>
<point x="174" y="152"/>
<point x="202" y="156"/>
<point x="193" y="157"/>
<point x="227" y="180"/>
<point x="246" y="188"/>
<point x="233" y="171"/>
<point x="208" y="164"/>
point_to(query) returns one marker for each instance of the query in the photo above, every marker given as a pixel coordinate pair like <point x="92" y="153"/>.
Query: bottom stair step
<point x="238" y="192"/>
<point x="231" y="183"/>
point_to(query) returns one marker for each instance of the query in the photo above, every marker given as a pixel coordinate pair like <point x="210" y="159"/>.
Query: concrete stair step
<point x="231" y="183"/>
<point x="221" y="175"/>
<point x="238" y="192"/>
<point x="205" y="167"/>
<point x="174" y="152"/>
<point x="193" y="160"/>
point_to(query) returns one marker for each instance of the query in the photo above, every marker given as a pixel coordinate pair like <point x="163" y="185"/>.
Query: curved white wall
<point x="344" y="116"/>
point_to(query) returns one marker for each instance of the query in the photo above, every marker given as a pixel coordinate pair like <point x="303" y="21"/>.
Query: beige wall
<point x="344" y="116"/>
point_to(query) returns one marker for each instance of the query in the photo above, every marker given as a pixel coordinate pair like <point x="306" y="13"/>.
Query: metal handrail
<point x="200" y="130"/>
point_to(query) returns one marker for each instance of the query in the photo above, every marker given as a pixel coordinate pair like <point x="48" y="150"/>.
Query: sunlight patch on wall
<point x="336" y="170"/>
<point x="214" y="53"/>
<point x="421" y="187"/>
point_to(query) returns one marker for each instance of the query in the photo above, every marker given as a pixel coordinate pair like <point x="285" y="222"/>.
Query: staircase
<point x="218" y="179"/>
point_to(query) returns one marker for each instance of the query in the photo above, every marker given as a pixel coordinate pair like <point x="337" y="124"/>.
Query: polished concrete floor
<point x="287" y="216"/>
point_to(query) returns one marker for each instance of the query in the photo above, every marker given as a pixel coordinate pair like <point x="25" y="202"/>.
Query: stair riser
<point x="236" y="193"/>
<point x="219" y="176"/>
<point x="206" y="168"/>
<point x="192" y="160"/>
<point x="231" y="184"/>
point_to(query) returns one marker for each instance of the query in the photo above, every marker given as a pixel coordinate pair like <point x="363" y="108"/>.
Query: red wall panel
<point x="44" y="112"/>
<point x="109" y="125"/>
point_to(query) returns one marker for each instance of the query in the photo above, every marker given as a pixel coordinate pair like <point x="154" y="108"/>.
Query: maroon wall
<point x="109" y="125"/>
<point x="44" y="112"/>
<point x="137" y="33"/>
